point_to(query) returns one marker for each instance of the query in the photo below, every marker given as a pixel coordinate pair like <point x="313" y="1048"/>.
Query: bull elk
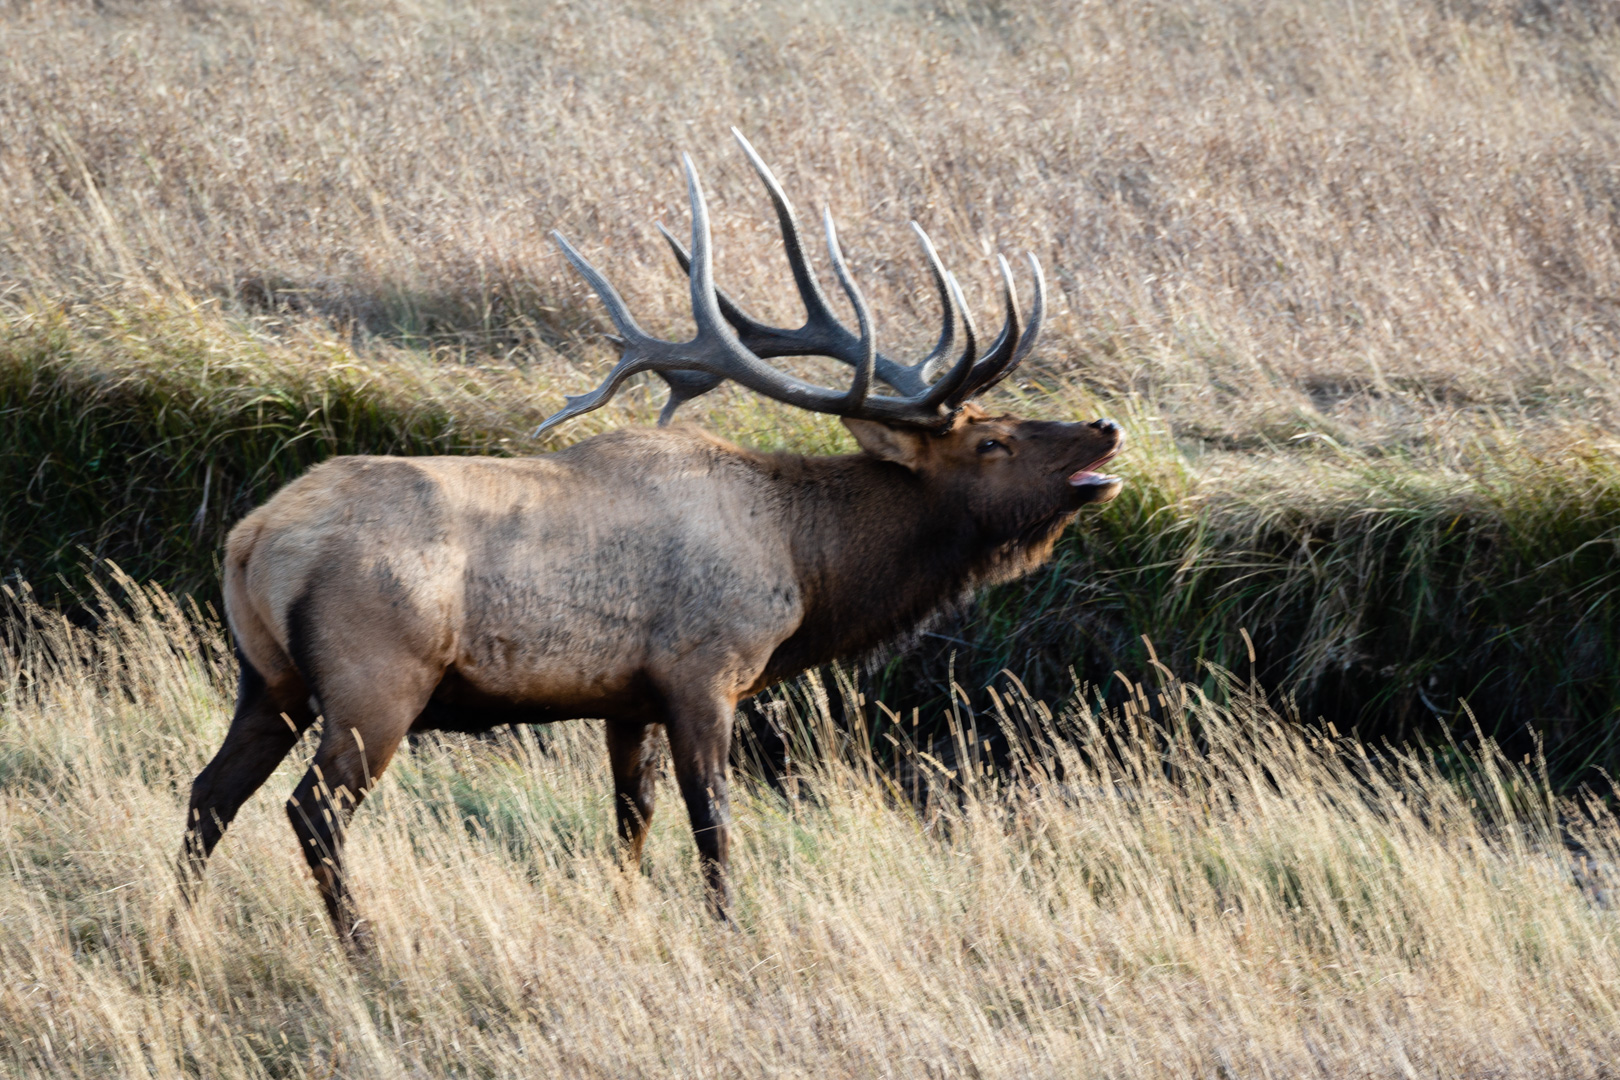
<point x="647" y="577"/>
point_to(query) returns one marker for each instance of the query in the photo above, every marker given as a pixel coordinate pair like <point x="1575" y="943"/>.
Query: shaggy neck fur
<point x="879" y="550"/>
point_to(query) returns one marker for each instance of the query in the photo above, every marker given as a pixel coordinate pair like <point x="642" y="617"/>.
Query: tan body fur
<point x="574" y="591"/>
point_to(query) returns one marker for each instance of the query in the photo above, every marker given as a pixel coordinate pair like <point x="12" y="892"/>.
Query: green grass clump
<point x="1384" y="594"/>
<point x="140" y="432"/>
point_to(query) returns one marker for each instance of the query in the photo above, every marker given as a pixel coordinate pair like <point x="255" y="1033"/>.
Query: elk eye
<point x="991" y="444"/>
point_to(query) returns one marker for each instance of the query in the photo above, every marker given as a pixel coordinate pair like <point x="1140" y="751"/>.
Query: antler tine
<point x="630" y="362"/>
<point x="945" y="391"/>
<point x="1007" y="353"/>
<point x="684" y="385"/>
<point x="818" y="314"/>
<point x="1000" y="354"/>
<point x="862" y="382"/>
<point x="749" y="330"/>
<point x="947" y="333"/>
<point x="623" y="321"/>
<point x="1026" y="342"/>
<point x="1037" y="314"/>
<point x="705" y="305"/>
<point x="1008" y="337"/>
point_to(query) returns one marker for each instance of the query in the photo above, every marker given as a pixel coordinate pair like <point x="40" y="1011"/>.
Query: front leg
<point x="633" y="752"/>
<point x="699" y="724"/>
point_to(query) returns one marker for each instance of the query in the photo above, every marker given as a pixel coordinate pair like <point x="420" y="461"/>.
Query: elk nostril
<point x="1104" y="425"/>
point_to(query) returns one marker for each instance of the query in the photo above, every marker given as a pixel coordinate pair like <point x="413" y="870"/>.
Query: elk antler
<point x="719" y="352"/>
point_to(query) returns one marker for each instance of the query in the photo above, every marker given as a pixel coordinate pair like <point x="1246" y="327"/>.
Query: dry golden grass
<point x="1273" y="904"/>
<point x="1367" y="219"/>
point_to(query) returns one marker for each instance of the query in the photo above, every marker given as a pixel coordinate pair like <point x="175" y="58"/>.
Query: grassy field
<point x="1232" y="894"/>
<point x="1347" y="272"/>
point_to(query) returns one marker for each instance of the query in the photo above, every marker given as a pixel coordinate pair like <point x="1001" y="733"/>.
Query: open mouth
<point x="1088" y="477"/>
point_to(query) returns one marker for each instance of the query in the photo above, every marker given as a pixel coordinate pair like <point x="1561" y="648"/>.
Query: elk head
<point x="1011" y="483"/>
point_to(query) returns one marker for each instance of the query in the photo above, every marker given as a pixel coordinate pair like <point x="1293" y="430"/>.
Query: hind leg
<point x="266" y="725"/>
<point x="367" y="715"/>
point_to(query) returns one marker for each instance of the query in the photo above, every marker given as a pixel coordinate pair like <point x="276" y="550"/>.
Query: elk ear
<point x="901" y="445"/>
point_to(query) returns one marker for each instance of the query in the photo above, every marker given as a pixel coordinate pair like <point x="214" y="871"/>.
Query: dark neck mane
<point x="878" y="552"/>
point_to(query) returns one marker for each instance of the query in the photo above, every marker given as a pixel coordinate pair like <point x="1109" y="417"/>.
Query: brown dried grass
<point x="1365" y="219"/>
<point x="1265" y="900"/>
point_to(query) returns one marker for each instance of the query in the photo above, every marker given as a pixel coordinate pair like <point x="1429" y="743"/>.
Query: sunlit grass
<point x="1370" y="222"/>
<point x="1227" y="890"/>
